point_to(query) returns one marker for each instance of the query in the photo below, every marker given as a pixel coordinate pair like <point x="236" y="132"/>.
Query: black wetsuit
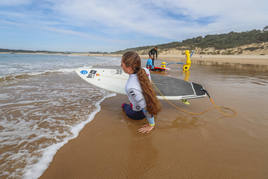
<point x="153" y="54"/>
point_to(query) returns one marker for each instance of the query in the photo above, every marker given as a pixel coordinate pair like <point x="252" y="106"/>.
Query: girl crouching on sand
<point x="140" y="92"/>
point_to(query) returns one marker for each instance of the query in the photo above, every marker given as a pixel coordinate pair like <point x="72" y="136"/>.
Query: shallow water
<point x="43" y="104"/>
<point x="244" y="90"/>
<point x="213" y="145"/>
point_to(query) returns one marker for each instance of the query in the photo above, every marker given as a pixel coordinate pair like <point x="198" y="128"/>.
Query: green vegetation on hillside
<point x="230" y="40"/>
<point x="218" y="41"/>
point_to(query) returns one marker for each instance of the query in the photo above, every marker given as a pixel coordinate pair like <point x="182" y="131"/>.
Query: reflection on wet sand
<point x="181" y="145"/>
<point x="182" y="122"/>
<point x="142" y="155"/>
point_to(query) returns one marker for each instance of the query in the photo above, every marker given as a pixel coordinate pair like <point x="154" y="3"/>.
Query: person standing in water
<point x="140" y="92"/>
<point x="153" y="54"/>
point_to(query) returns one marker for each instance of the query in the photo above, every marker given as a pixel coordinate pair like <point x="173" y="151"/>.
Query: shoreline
<point x="116" y="115"/>
<point x="257" y="63"/>
<point x="78" y="157"/>
<point x="196" y="58"/>
<point x="181" y="145"/>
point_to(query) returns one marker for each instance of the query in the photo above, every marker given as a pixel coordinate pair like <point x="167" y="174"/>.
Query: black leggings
<point x="136" y="115"/>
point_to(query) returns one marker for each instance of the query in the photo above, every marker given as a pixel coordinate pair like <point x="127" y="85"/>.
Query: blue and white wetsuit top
<point x="135" y="96"/>
<point x="134" y="91"/>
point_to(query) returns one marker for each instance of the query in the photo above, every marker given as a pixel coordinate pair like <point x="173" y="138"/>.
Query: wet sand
<point x="259" y="62"/>
<point x="181" y="145"/>
<point x="221" y="59"/>
<point x="255" y="60"/>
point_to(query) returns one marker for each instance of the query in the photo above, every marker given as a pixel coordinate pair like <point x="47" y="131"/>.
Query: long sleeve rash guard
<point x="134" y="91"/>
<point x="135" y="95"/>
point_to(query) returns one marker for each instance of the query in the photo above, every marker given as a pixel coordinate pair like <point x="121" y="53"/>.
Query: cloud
<point x="14" y="2"/>
<point x="166" y="18"/>
<point x="136" y="21"/>
<point x="158" y="18"/>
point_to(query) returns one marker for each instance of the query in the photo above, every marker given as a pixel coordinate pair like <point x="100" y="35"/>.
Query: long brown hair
<point x="133" y="60"/>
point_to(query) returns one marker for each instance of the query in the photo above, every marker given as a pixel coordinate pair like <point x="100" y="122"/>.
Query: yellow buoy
<point x="163" y="65"/>
<point x="187" y="66"/>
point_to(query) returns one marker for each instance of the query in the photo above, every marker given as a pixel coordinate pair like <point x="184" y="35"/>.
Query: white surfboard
<point x="114" y="79"/>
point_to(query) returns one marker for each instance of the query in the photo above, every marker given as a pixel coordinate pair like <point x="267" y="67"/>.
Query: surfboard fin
<point x="185" y="101"/>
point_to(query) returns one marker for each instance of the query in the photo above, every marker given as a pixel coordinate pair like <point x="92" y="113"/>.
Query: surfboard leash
<point x="221" y="109"/>
<point x="214" y="105"/>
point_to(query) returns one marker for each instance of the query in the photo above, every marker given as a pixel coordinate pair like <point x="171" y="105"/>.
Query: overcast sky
<point x="109" y="25"/>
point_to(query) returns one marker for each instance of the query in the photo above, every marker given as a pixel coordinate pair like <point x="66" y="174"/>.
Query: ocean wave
<point x="39" y="112"/>
<point x="12" y="77"/>
<point x="37" y="169"/>
<point x="41" y="115"/>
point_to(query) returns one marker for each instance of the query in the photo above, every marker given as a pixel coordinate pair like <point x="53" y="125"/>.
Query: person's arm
<point x="150" y="53"/>
<point x="149" y="117"/>
<point x="147" y="127"/>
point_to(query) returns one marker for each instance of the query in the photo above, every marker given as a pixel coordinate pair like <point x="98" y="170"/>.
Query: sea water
<point x="43" y="104"/>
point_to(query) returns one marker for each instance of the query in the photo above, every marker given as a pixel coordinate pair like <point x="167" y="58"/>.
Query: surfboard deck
<point x="114" y="79"/>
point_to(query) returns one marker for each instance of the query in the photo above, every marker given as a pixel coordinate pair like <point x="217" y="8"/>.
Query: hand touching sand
<point x="145" y="129"/>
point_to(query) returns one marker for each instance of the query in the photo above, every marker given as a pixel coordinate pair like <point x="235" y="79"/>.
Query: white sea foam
<point x="12" y="65"/>
<point x="42" y="107"/>
<point x="36" y="170"/>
